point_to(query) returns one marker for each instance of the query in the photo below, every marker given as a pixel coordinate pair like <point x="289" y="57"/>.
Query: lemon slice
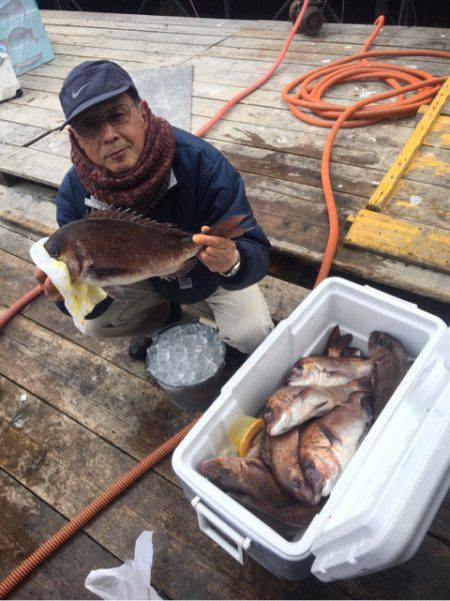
<point x="242" y="431"/>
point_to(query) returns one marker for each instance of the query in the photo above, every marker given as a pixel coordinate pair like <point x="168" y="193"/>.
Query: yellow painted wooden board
<point x="380" y="198"/>
<point x="414" y="243"/>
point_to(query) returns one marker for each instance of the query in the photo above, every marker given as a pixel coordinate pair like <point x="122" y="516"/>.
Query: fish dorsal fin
<point x="129" y="216"/>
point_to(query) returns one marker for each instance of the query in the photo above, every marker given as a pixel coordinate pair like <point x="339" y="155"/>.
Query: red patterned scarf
<point x="142" y="186"/>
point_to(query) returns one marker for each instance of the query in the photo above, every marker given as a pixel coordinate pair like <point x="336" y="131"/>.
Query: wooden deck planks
<point x="26" y="522"/>
<point x="46" y="448"/>
<point x="279" y="159"/>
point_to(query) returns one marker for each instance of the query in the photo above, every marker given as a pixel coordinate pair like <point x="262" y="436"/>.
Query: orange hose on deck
<point x="314" y="84"/>
<point x="19" y="305"/>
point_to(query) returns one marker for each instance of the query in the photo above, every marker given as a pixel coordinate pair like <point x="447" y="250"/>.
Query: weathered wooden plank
<point x="422" y="577"/>
<point x="133" y="414"/>
<point x="32" y="98"/>
<point x="79" y="21"/>
<point x="27" y="522"/>
<point x="429" y="205"/>
<point x="314" y="58"/>
<point x="19" y="134"/>
<point x="62" y="43"/>
<point x="34" y="95"/>
<point x="256" y="40"/>
<point x="380" y="132"/>
<point x="85" y="52"/>
<point x="65" y="17"/>
<point x="431" y="165"/>
<point x="352" y="180"/>
<point x="412" y="37"/>
<point x="28" y="204"/>
<point x="358" y="143"/>
<point x="38" y="117"/>
<point x="412" y="242"/>
<point x="254" y="113"/>
<point x="334" y="44"/>
<point x="32" y="164"/>
<point x="31" y="81"/>
<point x="123" y="36"/>
<point x="63" y="63"/>
<point x="344" y="29"/>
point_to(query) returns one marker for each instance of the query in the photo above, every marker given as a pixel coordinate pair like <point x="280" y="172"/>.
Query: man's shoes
<point x="138" y="347"/>
<point x="140" y="342"/>
<point x="234" y="358"/>
<point x="174" y="314"/>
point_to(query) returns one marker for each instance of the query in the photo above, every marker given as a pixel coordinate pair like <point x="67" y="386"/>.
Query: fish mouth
<point x="51" y="250"/>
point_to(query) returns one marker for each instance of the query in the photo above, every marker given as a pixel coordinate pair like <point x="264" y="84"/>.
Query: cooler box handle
<point x="215" y="527"/>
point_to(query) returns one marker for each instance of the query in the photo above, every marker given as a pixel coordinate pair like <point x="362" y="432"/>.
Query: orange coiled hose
<point x="314" y="84"/>
<point x="89" y="512"/>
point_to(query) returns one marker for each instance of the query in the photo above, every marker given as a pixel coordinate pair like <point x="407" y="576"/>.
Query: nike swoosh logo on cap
<point x="75" y="94"/>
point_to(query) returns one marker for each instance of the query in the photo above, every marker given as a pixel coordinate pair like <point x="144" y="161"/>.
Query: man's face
<point x="117" y="146"/>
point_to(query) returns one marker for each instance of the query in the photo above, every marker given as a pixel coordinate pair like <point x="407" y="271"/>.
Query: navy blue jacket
<point x="208" y="190"/>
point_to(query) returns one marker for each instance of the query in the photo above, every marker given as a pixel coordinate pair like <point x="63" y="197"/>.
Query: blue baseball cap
<point x="92" y="82"/>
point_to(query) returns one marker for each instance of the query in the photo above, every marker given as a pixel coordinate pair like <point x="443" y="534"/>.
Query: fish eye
<point x="224" y="472"/>
<point x="268" y="415"/>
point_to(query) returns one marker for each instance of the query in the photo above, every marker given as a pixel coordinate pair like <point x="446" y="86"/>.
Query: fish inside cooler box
<point x="359" y="311"/>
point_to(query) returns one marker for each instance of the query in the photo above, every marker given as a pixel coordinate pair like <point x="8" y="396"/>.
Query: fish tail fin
<point x="229" y="228"/>
<point x="337" y="342"/>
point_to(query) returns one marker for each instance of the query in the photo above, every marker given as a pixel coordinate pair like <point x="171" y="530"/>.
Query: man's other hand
<point x="219" y="254"/>
<point x="50" y="291"/>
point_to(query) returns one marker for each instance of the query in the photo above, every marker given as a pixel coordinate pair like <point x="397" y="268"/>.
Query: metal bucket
<point x="189" y="397"/>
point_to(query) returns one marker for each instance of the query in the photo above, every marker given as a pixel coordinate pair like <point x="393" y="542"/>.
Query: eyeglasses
<point x="89" y="126"/>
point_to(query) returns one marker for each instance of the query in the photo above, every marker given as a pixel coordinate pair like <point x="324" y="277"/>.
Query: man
<point x="126" y="158"/>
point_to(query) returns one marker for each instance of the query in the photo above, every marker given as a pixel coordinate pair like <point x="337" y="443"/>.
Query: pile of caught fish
<point x="313" y="427"/>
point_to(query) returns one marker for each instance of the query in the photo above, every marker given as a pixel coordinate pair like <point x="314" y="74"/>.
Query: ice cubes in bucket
<point x="185" y="354"/>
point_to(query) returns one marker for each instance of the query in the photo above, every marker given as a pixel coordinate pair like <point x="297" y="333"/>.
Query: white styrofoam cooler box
<point x="386" y="498"/>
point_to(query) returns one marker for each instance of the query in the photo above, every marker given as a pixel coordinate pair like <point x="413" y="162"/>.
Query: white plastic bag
<point x="129" y="581"/>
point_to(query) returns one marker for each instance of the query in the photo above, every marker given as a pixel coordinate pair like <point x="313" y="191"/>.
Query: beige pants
<point x="242" y="316"/>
